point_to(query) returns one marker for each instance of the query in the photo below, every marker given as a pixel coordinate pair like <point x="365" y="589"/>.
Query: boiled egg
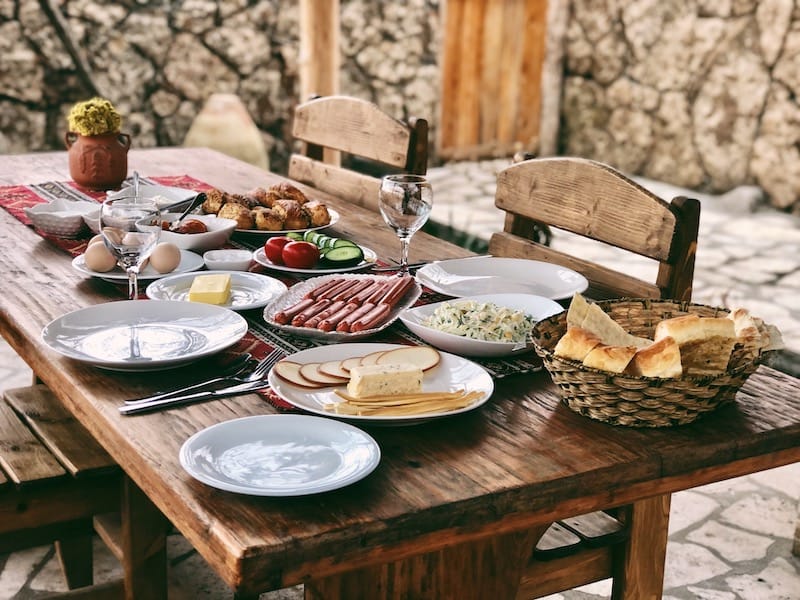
<point x="165" y="257"/>
<point x="98" y="258"/>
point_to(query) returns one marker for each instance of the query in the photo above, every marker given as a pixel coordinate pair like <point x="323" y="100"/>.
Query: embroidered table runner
<point x="260" y="339"/>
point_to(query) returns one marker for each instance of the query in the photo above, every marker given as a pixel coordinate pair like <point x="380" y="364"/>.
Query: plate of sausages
<point x="342" y="307"/>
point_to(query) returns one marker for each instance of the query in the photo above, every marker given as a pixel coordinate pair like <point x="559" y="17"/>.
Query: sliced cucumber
<point x="344" y="256"/>
<point x="339" y="242"/>
<point x="295" y="236"/>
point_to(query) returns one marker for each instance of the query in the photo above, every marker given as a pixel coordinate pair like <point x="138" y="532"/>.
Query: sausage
<point x="325" y="313"/>
<point x="330" y="292"/>
<point x="373" y="318"/>
<point x="318" y="306"/>
<point x="397" y="290"/>
<point x="351" y="290"/>
<point x="344" y="324"/>
<point x="320" y="289"/>
<point x="330" y="323"/>
<point x="285" y="315"/>
<point x="365" y="293"/>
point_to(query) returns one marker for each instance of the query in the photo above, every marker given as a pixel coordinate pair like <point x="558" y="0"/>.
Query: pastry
<point x="266" y="220"/>
<point x="317" y="212"/>
<point x="659" y="359"/>
<point x="239" y="213"/>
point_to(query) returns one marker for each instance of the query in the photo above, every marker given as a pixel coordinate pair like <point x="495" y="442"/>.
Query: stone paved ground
<point x="728" y="541"/>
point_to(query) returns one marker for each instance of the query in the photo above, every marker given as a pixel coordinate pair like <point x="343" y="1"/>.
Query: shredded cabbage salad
<point x="481" y="321"/>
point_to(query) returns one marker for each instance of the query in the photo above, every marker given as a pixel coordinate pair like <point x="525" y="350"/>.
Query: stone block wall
<point x="697" y="93"/>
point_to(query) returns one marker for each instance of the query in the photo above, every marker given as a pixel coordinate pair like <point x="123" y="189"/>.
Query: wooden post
<point x="319" y="54"/>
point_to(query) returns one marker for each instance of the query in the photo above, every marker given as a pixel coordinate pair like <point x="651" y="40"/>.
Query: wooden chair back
<point x="593" y="200"/>
<point x="361" y="129"/>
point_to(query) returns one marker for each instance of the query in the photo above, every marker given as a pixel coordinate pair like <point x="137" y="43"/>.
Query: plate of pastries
<point x="276" y="210"/>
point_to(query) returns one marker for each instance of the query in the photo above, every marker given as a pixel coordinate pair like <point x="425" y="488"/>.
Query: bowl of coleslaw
<point x="482" y="326"/>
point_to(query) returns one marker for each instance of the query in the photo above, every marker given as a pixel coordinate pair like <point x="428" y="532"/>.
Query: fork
<point x="261" y="369"/>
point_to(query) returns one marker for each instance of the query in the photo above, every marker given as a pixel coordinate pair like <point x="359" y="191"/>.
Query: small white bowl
<point x="60" y="217"/>
<point x="219" y="231"/>
<point x="228" y="260"/>
<point x="537" y="307"/>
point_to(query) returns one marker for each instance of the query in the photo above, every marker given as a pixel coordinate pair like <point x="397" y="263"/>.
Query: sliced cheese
<point x="380" y="380"/>
<point x="211" y="289"/>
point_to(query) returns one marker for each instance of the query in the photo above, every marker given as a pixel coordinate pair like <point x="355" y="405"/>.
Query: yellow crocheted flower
<point x="94" y="117"/>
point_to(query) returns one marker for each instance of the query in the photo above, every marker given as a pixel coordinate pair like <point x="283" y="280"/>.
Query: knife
<point x="234" y="390"/>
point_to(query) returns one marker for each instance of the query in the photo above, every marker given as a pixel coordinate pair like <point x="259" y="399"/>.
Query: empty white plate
<point x="497" y="275"/>
<point x="280" y="455"/>
<point x="142" y="335"/>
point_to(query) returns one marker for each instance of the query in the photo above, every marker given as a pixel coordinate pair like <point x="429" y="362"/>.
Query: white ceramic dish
<point x="189" y="262"/>
<point x="535" y="306"/>
<point x="248" y="290"/>
<point x="219" y="232"/>
<point x="229" y="259"/>
<point x="280" y="455"/>
<point x="296" y="292"/>
<point x="369" y="259"/>
<point x="63" y="218"/>
<point x="139" y="335"/>
<point x="497" y="275"/>
<point x="164" y="195"/>
<point x="263" y="233"/>
<point x="452" y="373"/>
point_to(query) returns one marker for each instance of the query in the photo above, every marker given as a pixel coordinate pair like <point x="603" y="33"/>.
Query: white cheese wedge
<point x="211" y="289"/>
<point x="381" y="380"/>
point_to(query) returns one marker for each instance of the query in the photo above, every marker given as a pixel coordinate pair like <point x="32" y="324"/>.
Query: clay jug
<point x="98" y="162"/>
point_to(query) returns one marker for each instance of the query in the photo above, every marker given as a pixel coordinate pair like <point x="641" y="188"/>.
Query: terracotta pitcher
<point x="98" y="162"/>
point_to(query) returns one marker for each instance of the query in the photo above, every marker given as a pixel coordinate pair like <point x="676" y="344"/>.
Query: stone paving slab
<point x="728" y="541"/>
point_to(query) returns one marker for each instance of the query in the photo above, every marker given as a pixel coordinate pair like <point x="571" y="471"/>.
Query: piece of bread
<point x="608" y="330"/>
<point x="578" y="308"/>
<point x="614" y="359"/>
<point x="705" y="343"/>
<point x="576" y="343"/>
<point x="659" y="359"/>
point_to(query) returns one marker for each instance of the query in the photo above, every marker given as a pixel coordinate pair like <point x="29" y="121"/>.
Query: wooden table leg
<point x="639" y="572"/>
<point x="483" y="569"/>
<point x="144" y="545"/>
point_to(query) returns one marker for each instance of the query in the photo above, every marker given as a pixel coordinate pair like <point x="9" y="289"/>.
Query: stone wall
<point x="697" y="93"/>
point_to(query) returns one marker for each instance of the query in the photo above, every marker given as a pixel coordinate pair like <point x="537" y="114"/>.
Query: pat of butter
<point x="211" y="289"/>
<point x="380" y="380"/>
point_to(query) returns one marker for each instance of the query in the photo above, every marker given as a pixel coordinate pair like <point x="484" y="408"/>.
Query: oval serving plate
<point x="537" y="307"/>
<point x="248" y="290"/>
<point x="189" y="262"/>
<point x="369" y="259"/>
<point x="139" y="335"/>
<point x="296" y="293"/>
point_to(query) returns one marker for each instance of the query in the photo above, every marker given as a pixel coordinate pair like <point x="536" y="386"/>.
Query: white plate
<point x="140" y="335"/>
<point x="280" y="455"/>
<point x="452" y="373"/>
<point x="496" y="275"/>
<point x="535" y="306"/>
<point x="296" y="292"/>
<point x="369" y="258"/>
<point x="164" y="194"/>
<point x="189" y="262"/>
<point x="248" y="290"/>
<point x="334" y="219"/>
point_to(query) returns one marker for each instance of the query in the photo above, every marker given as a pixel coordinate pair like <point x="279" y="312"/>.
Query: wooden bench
<point x="55" y="478"/>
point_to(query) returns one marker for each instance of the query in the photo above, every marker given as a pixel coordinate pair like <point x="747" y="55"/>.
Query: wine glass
<point x="405" y="201"/>
<point x="130" y="226"/>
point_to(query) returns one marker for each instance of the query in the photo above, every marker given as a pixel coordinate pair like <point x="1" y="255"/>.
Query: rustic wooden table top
<point x="520" y="461"/>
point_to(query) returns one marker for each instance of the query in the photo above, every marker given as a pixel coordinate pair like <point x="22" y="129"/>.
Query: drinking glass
<point x="130" y="226"/>
<point x="405" y="201"/>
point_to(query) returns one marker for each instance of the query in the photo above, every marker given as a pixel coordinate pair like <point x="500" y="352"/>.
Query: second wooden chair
<point x="360" y="129"/>
<point x="594" y="201"/>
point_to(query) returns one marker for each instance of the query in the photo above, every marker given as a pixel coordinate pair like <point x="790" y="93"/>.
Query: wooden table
<point x="455" y="506"/>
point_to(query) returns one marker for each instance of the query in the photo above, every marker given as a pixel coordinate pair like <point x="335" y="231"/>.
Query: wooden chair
<point x="595" y="201"/>
<point x="362" y="130"/>
<point x="55" y="478"/>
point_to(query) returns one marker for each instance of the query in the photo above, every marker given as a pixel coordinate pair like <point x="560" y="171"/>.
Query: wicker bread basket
<point x="636" y="401"/>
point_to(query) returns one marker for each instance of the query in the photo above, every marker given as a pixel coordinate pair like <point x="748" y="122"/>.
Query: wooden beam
<point x="319" y="54"/>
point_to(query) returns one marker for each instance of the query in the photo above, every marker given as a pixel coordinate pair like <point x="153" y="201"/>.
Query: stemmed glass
<point x="130" y="226"/>
<point x="405" y="201"/>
